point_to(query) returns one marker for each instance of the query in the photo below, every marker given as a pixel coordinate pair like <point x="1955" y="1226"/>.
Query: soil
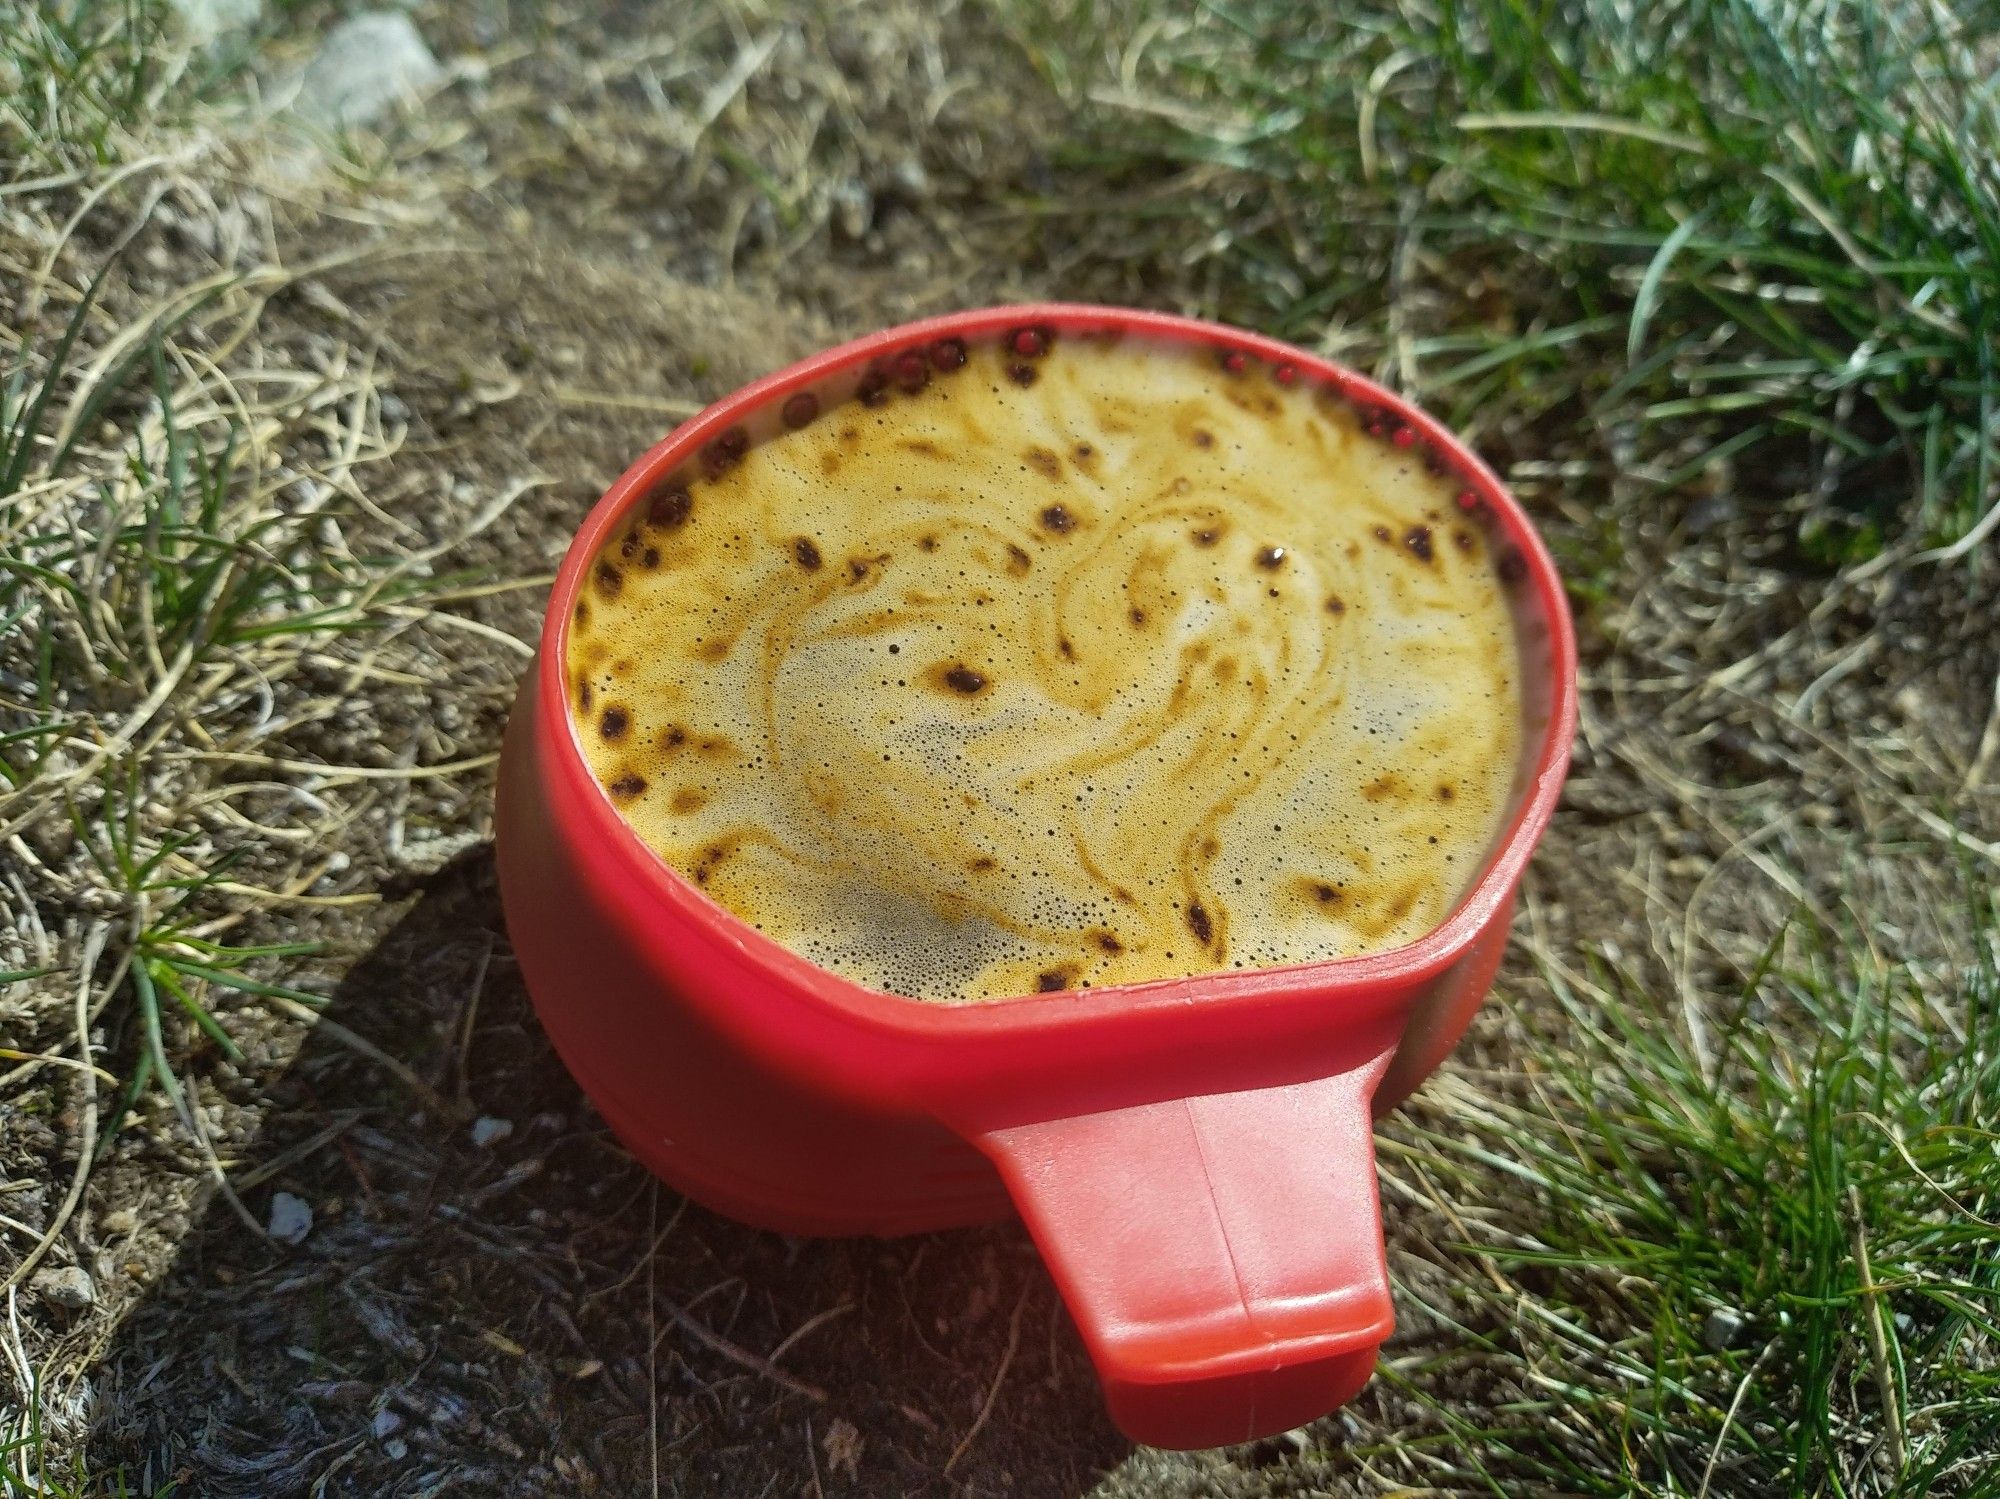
<point x="549" y="269"/>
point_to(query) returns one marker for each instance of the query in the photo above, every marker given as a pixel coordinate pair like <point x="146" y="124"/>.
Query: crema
<point x="1047" y="663"/>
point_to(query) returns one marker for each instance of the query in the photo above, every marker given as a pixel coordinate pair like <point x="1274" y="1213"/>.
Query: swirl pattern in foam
<point x="1040" y="665"/>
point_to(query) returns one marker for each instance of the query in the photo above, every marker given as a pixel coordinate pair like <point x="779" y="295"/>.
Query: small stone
<point x="66" y="1286"/>
<point x="206" y="20"/>
<point x="843" y="1445"/>
<point x="30" y="1205"/>
<point x="385" y="1425"/>
<point x="1712" y="512"/>
<point x="396" y="1448"/>
<point x="1723" y="1329"/>
<point x="909" y="181"/>
<point x="366" y="64"/>
<point x="291" y="1218"/>
<point x="853" y="208"/>
<point x="487" y="1130"/>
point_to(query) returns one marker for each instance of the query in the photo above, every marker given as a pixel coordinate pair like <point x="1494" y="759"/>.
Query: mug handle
<point x="1222" y="1256"/>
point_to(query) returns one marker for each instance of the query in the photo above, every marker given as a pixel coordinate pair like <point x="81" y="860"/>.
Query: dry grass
<point x="273" y="536"/>
<point x="201" y="572"/>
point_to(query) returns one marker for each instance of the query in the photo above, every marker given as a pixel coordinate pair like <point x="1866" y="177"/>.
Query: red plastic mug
<point x="1193" y="1157"/>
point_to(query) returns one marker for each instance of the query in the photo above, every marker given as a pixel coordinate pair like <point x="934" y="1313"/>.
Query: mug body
<point x="707" y="1106"/>
<point x="791" y="1143"/>
<point x="1192" y="1156"/>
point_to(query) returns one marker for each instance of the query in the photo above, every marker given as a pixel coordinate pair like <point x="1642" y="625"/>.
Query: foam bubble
<point x="1053" y="662"/>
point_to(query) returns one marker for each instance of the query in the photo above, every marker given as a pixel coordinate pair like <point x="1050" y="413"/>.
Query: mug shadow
<point x="494" y="1298"/>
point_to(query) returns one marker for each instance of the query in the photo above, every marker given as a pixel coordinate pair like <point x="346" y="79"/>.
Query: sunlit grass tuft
<point x="192" y="595"/>
<point x="1779" y="1274"/>
<point x="1713" y="230"/>
<point x="74" y="77"/>
<point x="29" y="1469"/>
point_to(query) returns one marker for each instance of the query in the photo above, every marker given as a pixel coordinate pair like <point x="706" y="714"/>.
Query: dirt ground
<point x="545" y="268"/>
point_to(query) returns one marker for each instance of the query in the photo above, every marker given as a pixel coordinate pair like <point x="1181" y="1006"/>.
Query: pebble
<point x="65" y="1286"/>
<point x="908" y="180"/>
<point x="291" y="1218"/>
<point x="1723" y="1329"/>
<point x="853" y="208"/>
<point x="1711" y="512"/>
<point x="427" y="854"/>
<point x="487" y="1130"/>
<point x="206" y="20"/>
<point x="368" y="63"/>
<point x="386" y="1424"/>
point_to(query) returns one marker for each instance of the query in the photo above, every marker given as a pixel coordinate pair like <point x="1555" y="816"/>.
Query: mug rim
<point x="1382" y="975"/>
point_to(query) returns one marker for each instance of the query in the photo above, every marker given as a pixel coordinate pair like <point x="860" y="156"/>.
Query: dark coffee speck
<point x="670" y="508"/>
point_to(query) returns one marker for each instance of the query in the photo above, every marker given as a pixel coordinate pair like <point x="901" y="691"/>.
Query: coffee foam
<point x="1045" y="664"/>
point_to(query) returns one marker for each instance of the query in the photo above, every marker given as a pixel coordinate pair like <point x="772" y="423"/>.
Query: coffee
<point x="1055" y="662"/>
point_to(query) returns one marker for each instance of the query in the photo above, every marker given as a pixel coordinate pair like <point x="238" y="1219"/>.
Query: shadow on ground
<point x="487" y="1319"/>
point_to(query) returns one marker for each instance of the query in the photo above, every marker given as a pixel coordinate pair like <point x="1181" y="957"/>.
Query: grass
<point x="179" y="553"/>
<point x="75" y="79"/>
<point x="1712" y="231"/>
<point x="145" y="588"/>
<point x="1779" y="1274"/>
<point x="86" y="85"/>
<point x="28" y="1470"/>
<point x="165" y="565"/>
